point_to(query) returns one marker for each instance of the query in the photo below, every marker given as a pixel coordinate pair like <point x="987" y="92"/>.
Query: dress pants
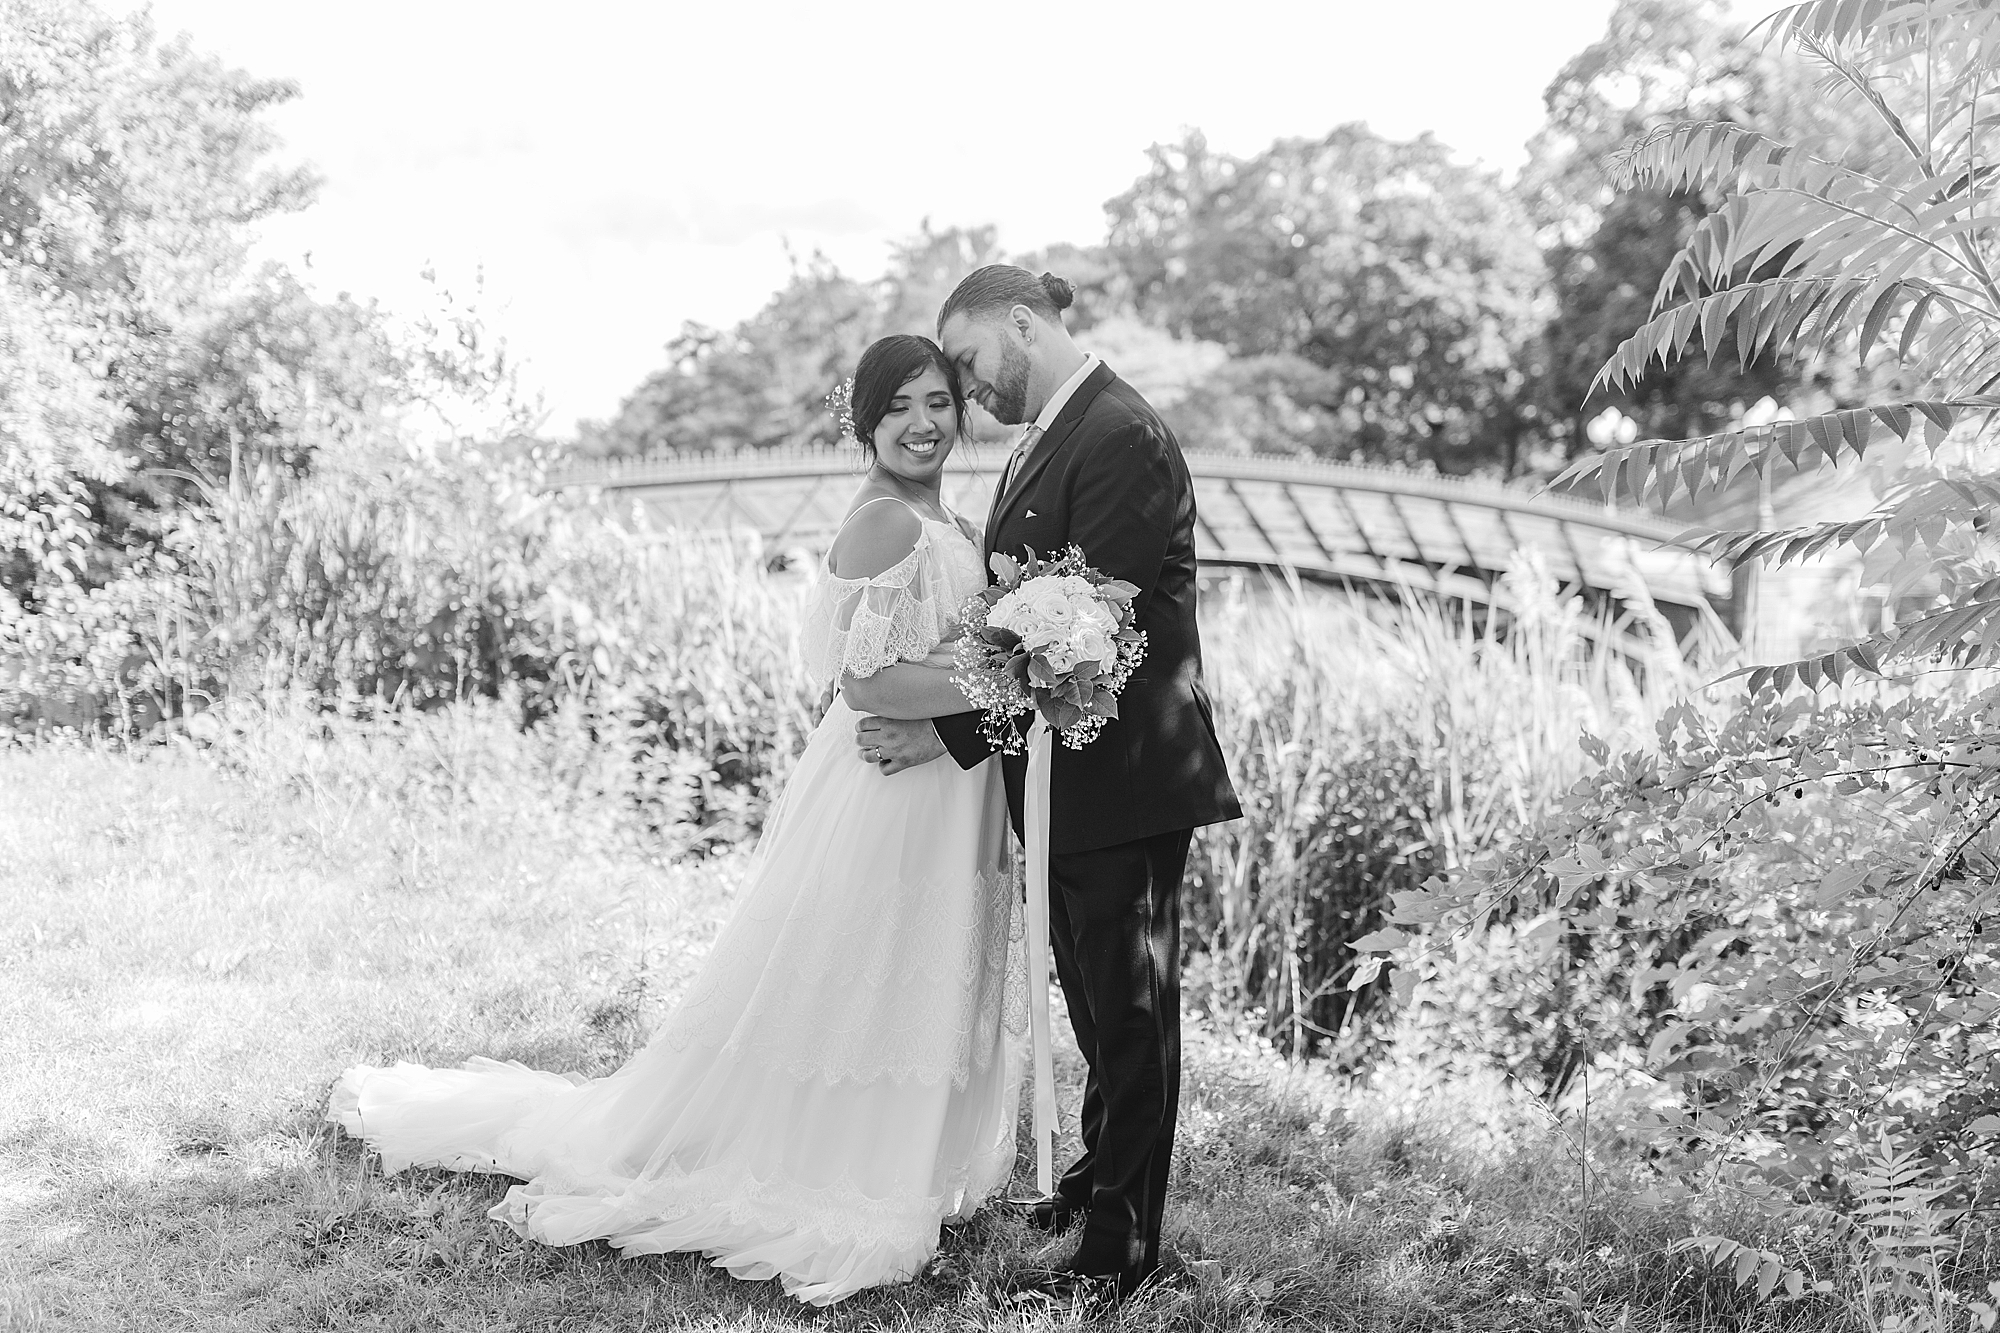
<point x="1114" y="924"/>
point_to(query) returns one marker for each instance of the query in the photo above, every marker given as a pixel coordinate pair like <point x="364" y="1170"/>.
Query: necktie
<point x="1020" y="455"/>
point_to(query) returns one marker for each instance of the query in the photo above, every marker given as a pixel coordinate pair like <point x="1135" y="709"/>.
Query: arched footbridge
<point x="1375" y="528"/>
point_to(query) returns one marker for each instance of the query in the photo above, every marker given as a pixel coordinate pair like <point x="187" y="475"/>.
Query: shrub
<point x="448" y="578"/>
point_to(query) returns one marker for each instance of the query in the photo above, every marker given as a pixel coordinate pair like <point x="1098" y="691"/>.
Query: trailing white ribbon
<point x="1035" y="830"/>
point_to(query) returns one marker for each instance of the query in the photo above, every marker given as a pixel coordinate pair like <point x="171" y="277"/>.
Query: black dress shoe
<point x="1053" y="1214"/>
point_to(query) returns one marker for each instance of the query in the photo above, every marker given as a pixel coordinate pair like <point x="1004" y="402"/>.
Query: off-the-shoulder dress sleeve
<point x="858" y="626"/>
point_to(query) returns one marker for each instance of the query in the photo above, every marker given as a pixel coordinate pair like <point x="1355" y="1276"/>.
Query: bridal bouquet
<point x="1053" y="636"/>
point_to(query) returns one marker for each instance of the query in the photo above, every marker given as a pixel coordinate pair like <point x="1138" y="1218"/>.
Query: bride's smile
<point x="915" y="435"/>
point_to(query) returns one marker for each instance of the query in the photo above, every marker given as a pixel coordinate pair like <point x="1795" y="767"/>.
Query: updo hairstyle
<point x="1003" y="286"/>
<point x="889" y="364"/>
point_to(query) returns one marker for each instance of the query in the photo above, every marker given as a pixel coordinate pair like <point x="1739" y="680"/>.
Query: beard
<point x="1010" y="387"/>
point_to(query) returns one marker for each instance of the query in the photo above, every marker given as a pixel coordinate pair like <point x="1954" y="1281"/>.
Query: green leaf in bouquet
<point x="1018" y="668"/>
<point x="1040" y="674"/>
<point x="1107" y="705"/>
<point x="1000" y="637"/>
<point x="1118" y="590"/>
<point x="1006" y="569"/>
<point x="1087" y="671"/>
<point x="1061" y="714"/>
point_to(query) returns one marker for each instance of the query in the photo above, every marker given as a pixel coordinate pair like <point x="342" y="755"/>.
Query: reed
<point x="1374" y="746"/>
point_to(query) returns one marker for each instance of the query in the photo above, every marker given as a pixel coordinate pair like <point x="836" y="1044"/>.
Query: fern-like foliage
<point x="1655" y="471"/>
<point x="1901" y="1233"/>
<point x="1812" y="253"/>
<point x="1894" y="24"/>
<point x="1762" y="1270"/>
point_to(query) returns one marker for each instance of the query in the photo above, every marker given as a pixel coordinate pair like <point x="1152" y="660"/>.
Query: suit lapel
<point x="993" y="515"/>
<point x="1045" y="448"/>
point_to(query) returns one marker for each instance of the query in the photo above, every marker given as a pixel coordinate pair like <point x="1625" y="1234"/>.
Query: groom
<point x="1098" y="468"/>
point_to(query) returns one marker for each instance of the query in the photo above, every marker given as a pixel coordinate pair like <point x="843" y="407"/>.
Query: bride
<point x="838" y="1079"/>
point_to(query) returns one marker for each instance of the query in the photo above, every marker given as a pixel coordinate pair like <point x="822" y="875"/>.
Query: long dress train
<point x="838" y="1079"/>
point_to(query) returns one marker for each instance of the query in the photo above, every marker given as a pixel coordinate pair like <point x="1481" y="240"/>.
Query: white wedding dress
<point x="842" y="1075"/>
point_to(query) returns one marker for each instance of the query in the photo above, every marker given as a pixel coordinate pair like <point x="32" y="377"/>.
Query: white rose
<point x="1096" y="615"/>
<point x="1038" y="636"/>
<point x="1062" y="657"/>
<point x="1051" y="605"/>
<point x="1092" y="645"/>
<point x="1005" y="612"/>
<point x="1019" y="612"/>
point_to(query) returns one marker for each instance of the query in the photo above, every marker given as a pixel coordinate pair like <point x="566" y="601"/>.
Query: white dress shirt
<point x="1060" y="398"/>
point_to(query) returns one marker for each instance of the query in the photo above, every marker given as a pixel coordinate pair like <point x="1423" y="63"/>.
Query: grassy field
<point x="192" y="946"/>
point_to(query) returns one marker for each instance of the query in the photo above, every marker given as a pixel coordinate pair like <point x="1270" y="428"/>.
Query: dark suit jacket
<point x="1109" y="477"/>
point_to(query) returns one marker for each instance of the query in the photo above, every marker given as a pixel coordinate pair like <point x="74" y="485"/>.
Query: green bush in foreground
<point x="1802" y="890"/>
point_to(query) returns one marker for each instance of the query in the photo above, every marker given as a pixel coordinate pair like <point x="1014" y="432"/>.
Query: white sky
<point x="620" y="168"/>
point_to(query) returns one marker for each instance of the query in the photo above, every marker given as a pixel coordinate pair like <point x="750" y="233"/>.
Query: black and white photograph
<point x="929" y="668"/>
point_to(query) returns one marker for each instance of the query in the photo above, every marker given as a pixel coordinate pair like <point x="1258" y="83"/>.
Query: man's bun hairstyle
<point x="998" y="287"/>
<point x="1061" y="295"/>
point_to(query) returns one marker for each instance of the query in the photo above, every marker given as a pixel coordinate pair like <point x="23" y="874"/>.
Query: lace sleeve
<point x="858" y="626"/>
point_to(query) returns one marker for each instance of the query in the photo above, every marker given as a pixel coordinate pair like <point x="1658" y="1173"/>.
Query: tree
<point x="763" y="384"/>
<point x="760" y="385"/>
<point x="924" y="268"/>
<point x="1401" y="287"/>
<point x="1659" y="62"/>
<point x="129" y="173"/>
<point x="158" y="400"/>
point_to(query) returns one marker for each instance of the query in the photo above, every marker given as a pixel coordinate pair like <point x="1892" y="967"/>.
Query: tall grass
<point x="1374" y="747"/>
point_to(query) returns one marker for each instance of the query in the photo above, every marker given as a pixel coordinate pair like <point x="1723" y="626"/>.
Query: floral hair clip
<point x="840" y="402"/>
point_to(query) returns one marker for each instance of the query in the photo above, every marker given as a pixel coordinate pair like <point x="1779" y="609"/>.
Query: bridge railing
<point x="1330" y="521"/>
<point x="673" y="468"/>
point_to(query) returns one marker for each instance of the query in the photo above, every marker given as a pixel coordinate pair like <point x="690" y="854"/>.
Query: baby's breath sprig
<point x="840" y="402"/>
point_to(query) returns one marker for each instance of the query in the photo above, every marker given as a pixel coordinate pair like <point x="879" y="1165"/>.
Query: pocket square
<point x="1029" y="514"/>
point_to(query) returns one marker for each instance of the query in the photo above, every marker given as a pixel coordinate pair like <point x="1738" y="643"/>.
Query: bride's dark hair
<point x="889" y="364"/>
<point x="1003" y="286"/>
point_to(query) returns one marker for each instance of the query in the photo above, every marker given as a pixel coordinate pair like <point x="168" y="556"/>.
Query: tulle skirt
<point x="841" y="1077"/>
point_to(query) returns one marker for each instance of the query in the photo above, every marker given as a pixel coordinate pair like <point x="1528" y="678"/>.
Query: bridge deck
<point x="1325" y="520"/>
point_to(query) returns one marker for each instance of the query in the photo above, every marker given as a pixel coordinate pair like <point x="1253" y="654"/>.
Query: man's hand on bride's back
<point x="893" y="745"/>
